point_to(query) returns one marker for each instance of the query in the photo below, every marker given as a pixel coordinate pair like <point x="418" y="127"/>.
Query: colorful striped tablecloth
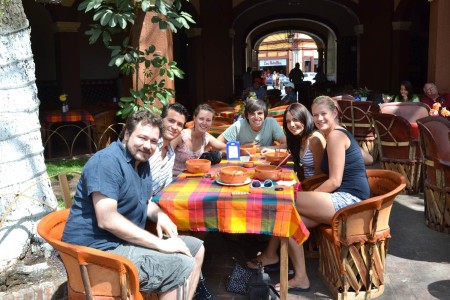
<point x="201" y="204"/>
<point x="73" y="115"/>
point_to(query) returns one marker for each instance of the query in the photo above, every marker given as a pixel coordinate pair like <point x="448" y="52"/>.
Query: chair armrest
<point x="313" y="182"/>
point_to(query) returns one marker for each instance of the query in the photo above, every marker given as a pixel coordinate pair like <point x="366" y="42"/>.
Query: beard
<point x="139" y="154"/>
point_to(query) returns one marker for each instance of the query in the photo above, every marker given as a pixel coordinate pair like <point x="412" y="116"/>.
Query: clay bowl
<point x="263" y="172"/>
<point x="252" y="149"/>
<point x="198" y="165"/>
<point x="276" y="157"/>
<point x="233" y="175"/>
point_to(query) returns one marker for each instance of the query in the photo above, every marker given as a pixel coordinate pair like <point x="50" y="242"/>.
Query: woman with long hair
<point x="192" y="142"/>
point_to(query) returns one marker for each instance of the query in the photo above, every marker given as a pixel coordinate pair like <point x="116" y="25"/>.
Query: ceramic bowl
<point x="276" y="157"/>
<point x="251" y="149"/>
<point x="233" y="175"/>
<point x="263" y="172"/>
<point x="198" y="165"/>
<point x="245" y="158"/>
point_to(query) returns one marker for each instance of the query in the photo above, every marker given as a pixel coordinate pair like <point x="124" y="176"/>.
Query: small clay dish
<point x="275" y="157"/>
<point x="251" y="149"/>
<point x="198" y="165"/>
<point x="248" y="164"/>
<point x="233" y="175"/>
<point x="263" y="172"/>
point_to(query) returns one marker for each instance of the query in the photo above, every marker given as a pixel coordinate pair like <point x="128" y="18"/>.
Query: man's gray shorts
<point x="161" y="272"/>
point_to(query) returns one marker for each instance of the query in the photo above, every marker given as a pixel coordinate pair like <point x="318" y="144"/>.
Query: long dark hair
<point x="294" y="142"/>
<point x="409" y="88"/>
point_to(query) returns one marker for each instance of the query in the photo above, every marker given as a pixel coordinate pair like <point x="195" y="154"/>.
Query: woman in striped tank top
<point x="306" y="146"/>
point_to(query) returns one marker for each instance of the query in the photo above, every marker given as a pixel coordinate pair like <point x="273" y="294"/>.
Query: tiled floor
<point x="418" y="262"/>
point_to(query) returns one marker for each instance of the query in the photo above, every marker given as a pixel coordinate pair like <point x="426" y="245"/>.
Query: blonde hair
<point x="330" y="103"/>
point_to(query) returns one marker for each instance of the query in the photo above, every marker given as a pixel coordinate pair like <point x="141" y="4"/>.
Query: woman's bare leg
<point x="315" y="208"/>
<point x="269" y="255"/>
<point x="297" y="256"/>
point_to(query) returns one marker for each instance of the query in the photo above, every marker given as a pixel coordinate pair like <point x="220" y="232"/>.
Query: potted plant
<point x="363" y="93"/>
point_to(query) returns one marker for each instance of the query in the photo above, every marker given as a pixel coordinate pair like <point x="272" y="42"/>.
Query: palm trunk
<point x="25" y="191"/>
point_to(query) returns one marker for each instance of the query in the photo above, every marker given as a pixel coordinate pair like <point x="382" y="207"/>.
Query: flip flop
<point x="297" y="290"/>
<point x="268" y="268"/>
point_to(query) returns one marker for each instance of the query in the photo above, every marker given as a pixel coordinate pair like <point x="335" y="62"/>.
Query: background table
<point x="72" y="116"/>
<point x="200" y="204"/>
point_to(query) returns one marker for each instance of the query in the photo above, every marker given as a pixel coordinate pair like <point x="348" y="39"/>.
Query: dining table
<point x="54" y="117"/>
<point x="202" y="202"/>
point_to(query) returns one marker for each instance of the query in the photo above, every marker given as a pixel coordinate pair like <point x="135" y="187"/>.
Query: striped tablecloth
<point x="200" y="204"/>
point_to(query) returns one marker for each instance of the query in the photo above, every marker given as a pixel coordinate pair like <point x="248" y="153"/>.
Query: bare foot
<point x="296" y="283"/>
<point x="265" y="261"/>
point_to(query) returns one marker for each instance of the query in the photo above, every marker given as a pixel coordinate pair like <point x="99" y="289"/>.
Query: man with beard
<point x="174" y="117"/>
<point x="112" y="204"/>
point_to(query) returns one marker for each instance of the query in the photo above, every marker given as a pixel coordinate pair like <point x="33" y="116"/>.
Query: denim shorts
<point x="343" y="199"/>
<point x="161" y="272"/>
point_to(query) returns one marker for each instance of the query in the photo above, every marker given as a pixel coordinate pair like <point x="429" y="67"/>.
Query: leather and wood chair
<point x="411" y="111"/>
<point x="399" y="148"/>
<point x="353" y="249"/>
<point x="104" y="131"/>
<point x="434" y="140"/>
<point x="354" y="115"/>
<point x="91" y="273"/>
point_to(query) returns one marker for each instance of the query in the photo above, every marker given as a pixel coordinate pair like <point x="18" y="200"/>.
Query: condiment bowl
<point x="263" y="172"/>
<point x="198" y="165"/>
<point x="233" y="175"/>
<point x="248" y="149"/>
<point x="275" y="157"/>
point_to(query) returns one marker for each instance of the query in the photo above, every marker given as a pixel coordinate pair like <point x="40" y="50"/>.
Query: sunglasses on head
<point x="266" y="184"/>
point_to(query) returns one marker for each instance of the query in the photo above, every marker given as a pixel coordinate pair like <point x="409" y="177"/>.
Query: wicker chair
<point x="399" y="148"/>
<point x="434" y="137"/>
<point x="352" y="251"/>
<point x="355" y="117"/>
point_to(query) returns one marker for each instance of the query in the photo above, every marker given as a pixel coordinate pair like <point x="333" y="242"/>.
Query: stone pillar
<point x="439" y="44"/>
<point x="67" y="59"/>
<point x="400" y="54"/>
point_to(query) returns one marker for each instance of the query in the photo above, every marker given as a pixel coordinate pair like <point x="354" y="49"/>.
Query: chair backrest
<point x="395" y="138"/>
<point x="343" y="97"/>
<point x="435" y="144"/>
<point x="411" y="111"/>
<point x="64" y="184"/>
<point x="355" y="117"/>
<point x="91" y="273"/>
<point x="105" y="133"/>
<point x="368" y="220"/>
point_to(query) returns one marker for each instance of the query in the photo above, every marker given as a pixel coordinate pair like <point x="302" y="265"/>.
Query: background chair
<point x="411" y="111"/>
<point x="66" y="191"/>
<point x="399" y="148"/>
<point x="434" y="137"/>
<point x="354" y="115"/>
<point x="91" y="273"/>
<point x="353" y="249"/>
<point x="104" y="131"/>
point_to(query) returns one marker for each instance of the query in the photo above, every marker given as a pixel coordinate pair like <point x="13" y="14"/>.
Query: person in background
<point x="320" y="79"/>
<point x="174" y="117"/>
<point x="247" y="78"/>
<point x="112" y="204"/>
<point x="256" y="128"/>
<point x="296" y="76"/>
<point x="433" y="96"/>
<point x="406" y="93"/>
<point x="258" y="89"/>
<point x="290" y="97"/>
<point x="192" y="142"/>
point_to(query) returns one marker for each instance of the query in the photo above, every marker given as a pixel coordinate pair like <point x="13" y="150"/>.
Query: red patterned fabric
<point x="73" y="115"/>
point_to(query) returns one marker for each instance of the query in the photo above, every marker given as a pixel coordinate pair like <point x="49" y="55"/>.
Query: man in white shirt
<point x="174" y="116"/>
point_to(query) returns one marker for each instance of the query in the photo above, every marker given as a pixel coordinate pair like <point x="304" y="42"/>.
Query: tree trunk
<point x="25" y="191"/>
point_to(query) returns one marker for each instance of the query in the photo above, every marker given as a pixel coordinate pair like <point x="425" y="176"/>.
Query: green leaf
<point x="156" y="19"/>
<point x="122" y="22"/>
<point x="113" y="21"/>
<point x="128" y="57"/>
<point x="127" y="99"/>
<point x="98" y="15"/>
<point x="106" y="38"/>
<point x="162" y="72"/>
<point x="94" y="37"/>
<point x="83" y="5"/>
<point x="105" y="18"/>
<point x="119" y="61"/>
<point x="170" y="74"/>
<point x="145" y="5"/>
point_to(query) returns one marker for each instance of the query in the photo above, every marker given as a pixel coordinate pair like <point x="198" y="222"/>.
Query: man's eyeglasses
<point x="266" y="184"/>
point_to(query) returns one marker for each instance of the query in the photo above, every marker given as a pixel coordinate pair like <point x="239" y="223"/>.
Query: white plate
<point x="247" y="181"/>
